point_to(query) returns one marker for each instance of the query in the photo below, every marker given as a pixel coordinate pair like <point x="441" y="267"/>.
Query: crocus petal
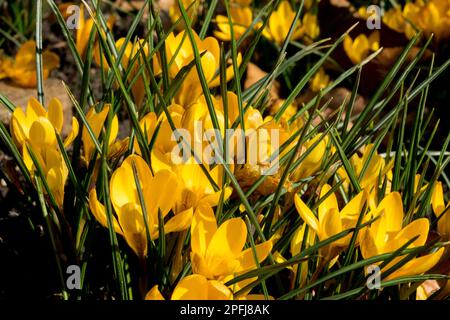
<point x="437" y="199"/>
<point x="418" y="265"/>
<point x="96" y="121"/>
<point x="123" y="186"/>
<point x="419" y="227"/>
<point x="56" y="181"/>
<point x="194" y="287"/>
<point x="50" y="61"/>
<point x="247" y="257"/>
<point x="160" y="192"/>
<point x="393" y="212"/>
<point x="19" y="126"/>
<point x="73" y="133"/>
<point x="355" y="206"/>
<point x="35" y="110"/>
<point x="42" y="133"/>
<point x="330" y="224"/>
<point x="55" y="114"/>
<point x="181" y="221"/>
<point x="132" y="222"/>
<point x="218" y="291"/>
<point x="306" y="214"/>
<point x="203" y="227"/>
<point x="99" y="212"/>
<point x="228" y="240"/>
<point x="213" y="199"/>
<point x="330" y="202"/>
<point x="154" y="294"/>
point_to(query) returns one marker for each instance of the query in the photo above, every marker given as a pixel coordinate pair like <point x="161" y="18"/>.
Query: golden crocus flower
<point x="22" y="69"/>
<point x="387" y="234"/>
<point x="180" y="53"/>
<point x="159" y="194"/>
<point x="376" y="170"/>
<point x="196" y="189"/>
<point x="191" y="7"/>
<point x="217" y="252"/>
<point x="320" y="80"/>
<point x="37" y="128"/>
<point x="96" y="121"/>
<point x="331" y="220"/>
<point x="359" y="48"/>
<point x="161" y="154"/>
<point x="313" y="161"/>
<point x="428" y="16"/>
<point x="241" y="18"/>
<point x="281" y="20"/>
<point x="84" y="29"/>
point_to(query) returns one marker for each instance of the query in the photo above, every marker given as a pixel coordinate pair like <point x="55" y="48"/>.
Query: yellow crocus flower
<point x="241" y="18"/>
<point x="331" y="220"/>
<point x="313" y="161"/>
<point x="96" y="121"/>
<point x="22" y="69"/>
<point x="23" y="122"/>
<point x="84" y="29"/>
<point x="320" y="80"/>
<point x="394" y="19"/>
<point x="376" y="169"/>
<point x="387" y="234"/>
<point x="180" y="53"/>
<point x="37" y="128"/>
<point x="158" y="192"/>
<point x="217" y="252"/>
<point x="359" y="48"/>
<point x="191" y="7"/>
<point x="195" y="188"/>
<point x="161" y="154"/>
<point x="281" y="20"/>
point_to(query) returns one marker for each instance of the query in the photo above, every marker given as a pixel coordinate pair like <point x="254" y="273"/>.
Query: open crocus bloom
<point x="313" y="161"/>
<point x="194" y="287"/>
<point x="33" y="122"/>
<point x="331" y="221"/>
<point x="164" y="143"/>
<point x="387" y="234"/>
<point x="217" y="252"/>
<point x="241" y="18"/>
<point x="431" y="17"/>
<point x="281" y="20"/>
<point x="180" y="53"/>
<point x="359" y="48"/>
<point x="84" y="29"/>
<point x="196" y="189"/>
<point x="158" y="196"/>
<point x="36" y="128"/>
<point x="191" y="7"/>
<point x="22" y="69"/>
<point x="96" y="121"/>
